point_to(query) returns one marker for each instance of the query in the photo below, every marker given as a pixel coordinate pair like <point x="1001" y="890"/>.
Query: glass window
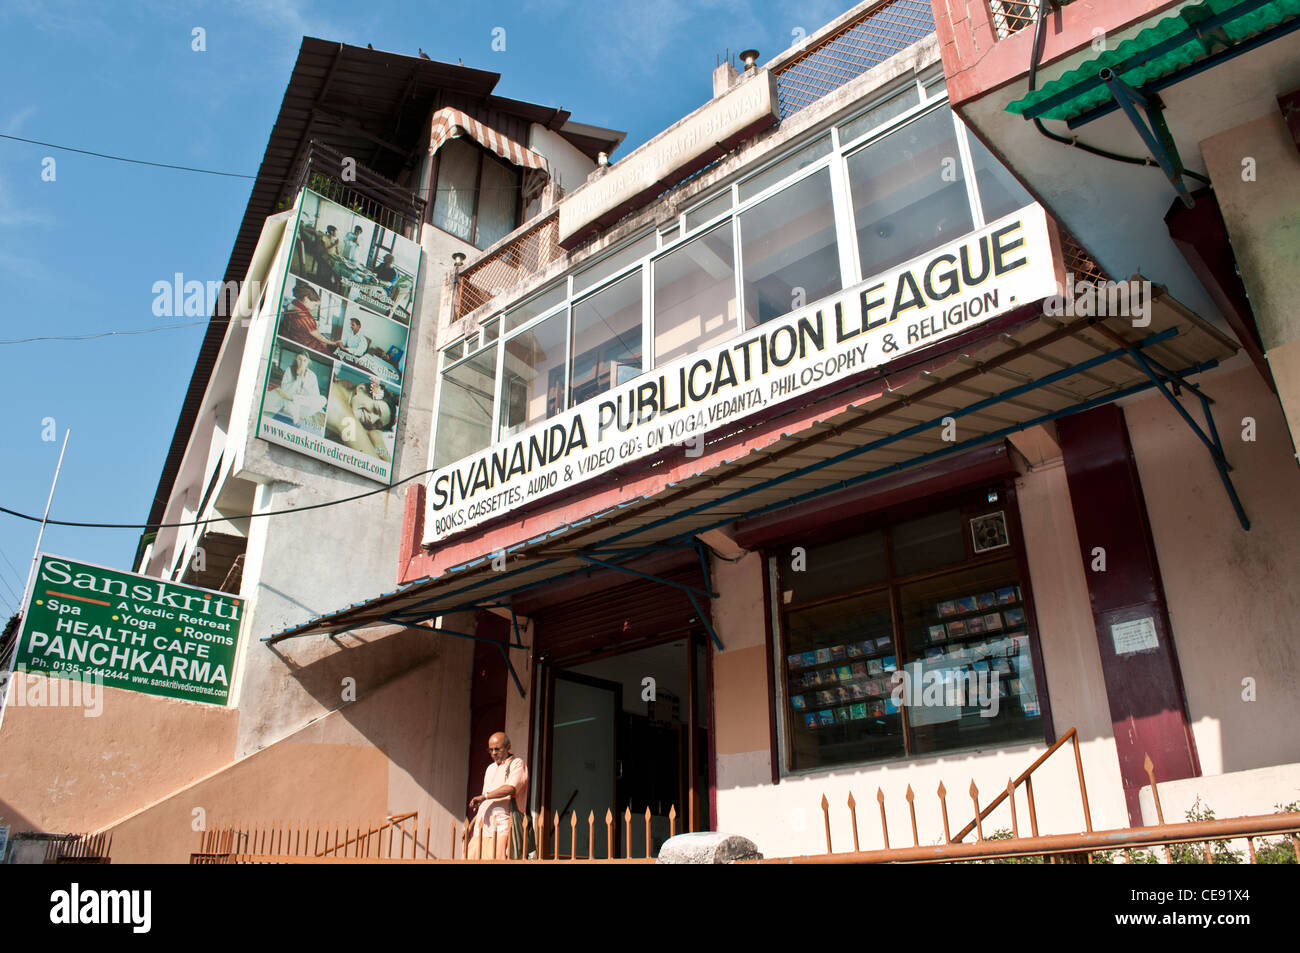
<point x="614" y="263"/>
<point x="454" y="353"/>
<point x="465" y="408"/>
<point x="708" y="211"/>
<point x="928" y="543"/>
<point x="935" y="87"/>
<point x="453" y="208"/>
<point x="908" y="192"/>
<point x="839" y="664"/>
<point x="498" y="202"/>
<point x="695" y="295"/>
<point x="537" y="304"/>
<point x="669" y="235"/>
<point x="606" y="338"/>
<point x="969" y="669"/>
<point x="491" y="330"/>
<point x="785" y="167"/>
<point x="477" y="197"/>
<point x="1000" y="192"/>
<point x="788" y="247"/>
<point x="882" y="660"/>
<point x="824" y="570"/>
<point x="532" y="383"/>
<point x="880" y="114"/>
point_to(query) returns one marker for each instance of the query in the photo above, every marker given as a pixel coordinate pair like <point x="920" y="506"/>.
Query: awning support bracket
<point x="501" y="646"/>
<point x="692" y="592"/>
<point x="1164" y="379"/>
<point x="1155" y="136"/>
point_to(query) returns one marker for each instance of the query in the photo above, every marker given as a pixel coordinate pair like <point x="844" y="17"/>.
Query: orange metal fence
<point x="400" y="839"/>
<point x="80" y="849"/>
<point x="1179" y="842"/>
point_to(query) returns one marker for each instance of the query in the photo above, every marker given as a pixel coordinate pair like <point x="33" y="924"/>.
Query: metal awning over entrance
<point x="1198" y="36"/>
<point x="1006" y="376"/>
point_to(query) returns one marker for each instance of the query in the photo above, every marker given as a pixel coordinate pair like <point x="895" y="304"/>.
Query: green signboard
<point x="134" y="632"/>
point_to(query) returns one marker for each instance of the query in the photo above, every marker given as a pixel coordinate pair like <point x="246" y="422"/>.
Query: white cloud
<point x="293" y="18"/>
<point x="24" y="156"/>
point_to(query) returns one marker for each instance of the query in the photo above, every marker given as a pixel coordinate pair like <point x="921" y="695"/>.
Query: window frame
<point x="485" y="155"/>
<point x="884" y="520"/>
<point x="836" y="161"/>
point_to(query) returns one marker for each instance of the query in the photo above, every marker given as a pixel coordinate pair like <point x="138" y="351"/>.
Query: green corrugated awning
<point x="1197" y="32"/>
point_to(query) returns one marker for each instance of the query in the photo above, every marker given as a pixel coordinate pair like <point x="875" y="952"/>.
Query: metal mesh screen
<point x="856" y="47"/>
<point x="1079" y="261"/>
<point x="1012" y="16"/>
<point x="509" y="266"/>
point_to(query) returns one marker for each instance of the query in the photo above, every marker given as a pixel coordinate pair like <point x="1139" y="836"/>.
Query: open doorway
<point x="628" y="730"/>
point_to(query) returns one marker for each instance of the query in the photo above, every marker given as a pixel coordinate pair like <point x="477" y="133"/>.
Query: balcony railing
<point x="358" y="188"/>
<point x="855" y="47"/>
<point x="509" y="266"/>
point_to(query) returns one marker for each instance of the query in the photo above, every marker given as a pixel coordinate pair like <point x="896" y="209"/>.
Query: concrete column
<point x="1255" y="168"/>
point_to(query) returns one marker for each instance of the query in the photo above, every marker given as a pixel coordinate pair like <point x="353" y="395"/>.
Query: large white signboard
<point x="333" y="386"/>
<point x="940" y="294"/>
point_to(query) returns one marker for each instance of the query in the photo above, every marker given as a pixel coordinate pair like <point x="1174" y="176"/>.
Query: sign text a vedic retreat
<point x="135" y="632"/>
<point x="935" y="296"/>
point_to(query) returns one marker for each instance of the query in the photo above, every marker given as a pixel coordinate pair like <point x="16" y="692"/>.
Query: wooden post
<point x="627" y="827"/>
<point x="911" y="810"/>
<point x="1033" y="812"/>
<point x="1083" y="788"/>
<point x="1150" y="769"/>
<point x="591" y="835"/>
<point x="943" y="805"/>
<point x="853" y="819"/>
<point x="826" y="821"/>
<point x="884" y="825"/>
<point x="1011" y="798"/>
<point x="647" y="832"/>
<point x="975" y="796"/>
<point x="609" y="834"/>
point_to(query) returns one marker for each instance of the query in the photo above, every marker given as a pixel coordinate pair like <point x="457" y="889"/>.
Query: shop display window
<point x="910" y="639"/>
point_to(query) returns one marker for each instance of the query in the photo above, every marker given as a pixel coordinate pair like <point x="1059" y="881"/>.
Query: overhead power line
<point x="104" y="334"/>
<point x="215" y="519"/>
<point x="106" y="155"/>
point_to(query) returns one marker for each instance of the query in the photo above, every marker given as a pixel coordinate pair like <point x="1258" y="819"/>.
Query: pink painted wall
<point x="975" y="61"/>
<point x="144" y="766"/>
<point x="1233" y="595"/>
<point x="64" y="772"/>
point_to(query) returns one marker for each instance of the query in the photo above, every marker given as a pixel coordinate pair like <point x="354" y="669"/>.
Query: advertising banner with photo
<point x="124" y="630"/>
<point x="333" y="387"/>
<point x="935" y="296"/>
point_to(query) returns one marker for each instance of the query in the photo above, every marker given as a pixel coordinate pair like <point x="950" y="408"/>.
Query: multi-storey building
<point x="776" y="459"/>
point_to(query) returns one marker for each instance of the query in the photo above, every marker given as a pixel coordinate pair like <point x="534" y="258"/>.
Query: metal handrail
<point x="1073" y="736"/>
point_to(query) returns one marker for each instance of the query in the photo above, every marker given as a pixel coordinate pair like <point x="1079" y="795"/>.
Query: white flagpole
<point x="31" y="581"/>
<point x="31" y="573"/>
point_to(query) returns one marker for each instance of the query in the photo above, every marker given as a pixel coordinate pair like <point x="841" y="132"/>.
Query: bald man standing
<point x="505" y="795"/>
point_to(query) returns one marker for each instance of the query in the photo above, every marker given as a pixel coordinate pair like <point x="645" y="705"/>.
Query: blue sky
<point x="80" y="254"/>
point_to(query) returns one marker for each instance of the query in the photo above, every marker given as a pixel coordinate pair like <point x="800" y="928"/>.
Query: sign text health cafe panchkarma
<point x="129" y="631"/>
